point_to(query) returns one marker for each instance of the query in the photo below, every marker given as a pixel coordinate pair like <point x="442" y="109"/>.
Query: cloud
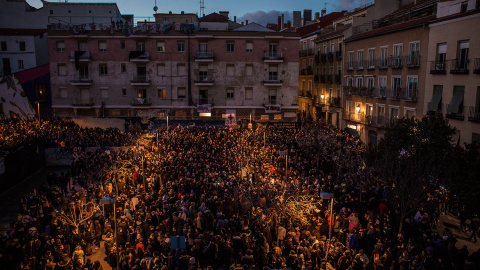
<point x="262" y="17"/>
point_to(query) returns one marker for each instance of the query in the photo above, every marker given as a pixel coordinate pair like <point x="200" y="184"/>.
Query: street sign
<point x="283" y="153"/>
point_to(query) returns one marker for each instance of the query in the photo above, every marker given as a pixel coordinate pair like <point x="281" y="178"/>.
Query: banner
<point x="275" y="108"/>
<point x="204" y="108"/>
<point x="231" y="119"/>
<point x="2" y="165"/>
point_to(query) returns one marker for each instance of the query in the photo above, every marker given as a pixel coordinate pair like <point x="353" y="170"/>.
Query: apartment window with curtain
<point x="272" y="96"/>
<point x="230" y="93"/>
<point x="22" y="46"/>
<point x="162" y="93"/>
<point x="383" y="57"/>
<point x="360" y="59"/>
<point x="230" y="46"/>
<point x="60" y="46"/>
<point x="160" y="46"/>
<point x="412" y="85"/>
<point x="351" y="58"/>
<point x="371" y="58"/>
<point x="249" y="46"/>
<point x="4" y="46"/>
<point x="462" y="57"/>
<point x="181" y="46"/>
<point x="102" y="46"/>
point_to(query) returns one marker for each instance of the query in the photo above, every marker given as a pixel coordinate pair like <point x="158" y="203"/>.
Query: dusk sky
<point x="260" y="11"/>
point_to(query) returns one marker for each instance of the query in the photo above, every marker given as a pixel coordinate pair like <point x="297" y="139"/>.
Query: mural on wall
<point x="13" y="100"/>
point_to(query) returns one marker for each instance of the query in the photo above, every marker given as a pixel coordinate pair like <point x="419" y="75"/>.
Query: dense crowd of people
<point x="217" y="198"/>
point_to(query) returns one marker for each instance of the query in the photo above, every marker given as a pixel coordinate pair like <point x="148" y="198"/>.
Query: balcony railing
<point x="141" y="102"/>
<point x="323" y="79"/>
<point x="338" y="55"/>
<point x="458" y="116"/>
<point x="303" y="72"/>
<point x="330" y="56"/>
<point x="335" y="102"/>
<point x="476" y="66"/>
<point x="474" y="114"/>
<point x="439" y="110"/>
<point x="142" y="79"/>
<point x="139" y="56"/>
<point x="303" y="53"/>
<point x="459" y="66"/>
<point x="203" y="79"/>
<point x="438" y="67"/>
<point x="338" y="79"/>
<point x="323" y="57"/>
<point x="273" y="56"/>
<point x="382" y="63"/>
<point x="379" y="92"/>
<point x="359" y="91"/>
<point x="317" y="58"/>
<point x="329" y="79"/>
<point x="272" y="79"/>
<point x="413" y="60"/>
<point x="361" y="65"/>
<point x="201" y="55"/>
<point x="396" y="62"/>
<point x="202" y="101"/>
<point x="82" y="80"/>
<point x="82" y="56"/>
<point x="309" y="70"/>
<point x="370" y="64"/>
<point x="316" y="78"/>
<point x="402" y="93"/>
<point x="83" y="102"/>
<point x="377" y="121"/>
<point x="311" y="51"/>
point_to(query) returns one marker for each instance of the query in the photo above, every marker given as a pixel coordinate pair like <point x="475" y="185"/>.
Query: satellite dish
<point x="155" y="8"/>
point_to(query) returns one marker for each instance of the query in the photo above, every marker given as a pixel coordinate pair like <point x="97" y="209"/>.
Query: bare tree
<point x="77" y="213"/>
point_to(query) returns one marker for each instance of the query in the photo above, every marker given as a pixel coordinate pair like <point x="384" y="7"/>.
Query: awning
<point x="437" y="96"/>
<point x="457" y="99"/>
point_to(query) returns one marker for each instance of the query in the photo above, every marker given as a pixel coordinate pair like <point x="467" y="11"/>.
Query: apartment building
<point x="185" y="74"/>
<point x="384" y="71"/>
<point x="452" y="83"/>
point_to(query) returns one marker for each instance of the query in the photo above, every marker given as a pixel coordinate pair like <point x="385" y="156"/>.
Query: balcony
<point x="338" y="79"/>
<point x="323" y="79"/>
<point x="141" y="102"/>
<point x="302" y="53"/>
<point x="317" y="58"/>
<point x="338" y="55"/>
<point x="329" y="79"/>
<point x="457" y="116"/>
<point x="335" y="102"/>
<point x="352" y="65"/>
<point x="273" y="57"/>
<point x="476" y="66"/>
<point x="139" y="57"/>
<point x="438" y="111"/>
<point x="438" y="67"/>
<point x="203" y="56"/>
<point x="140" y="80"/>
<point x="83" y="102"/>
<point x="309" y="70"/>
<point x="323" y="57"/>
<point x="370" y="64"/>
<point x="316" y="78"/>
<point x="80" y="56"/>
<point x="377" y="121"/>
<point x="330" y="56"/>
<point x="382" y="63"/>
<point x="359" y="91"/>
<point x="82" y="80"/>
<point x="311" y="51"/>
<point x="396" y="62"/>
<point x="380" y="92"/>
<point x="474" y="114"/>
<point x="203" y="101"/>
<point x="272" y="80"/>
<point x="360" y="65"/>
<point x="459" y="66"/>
<point x="413" y="60"/>
<point x="203" y="80"/>
<point x="402" y="94"/>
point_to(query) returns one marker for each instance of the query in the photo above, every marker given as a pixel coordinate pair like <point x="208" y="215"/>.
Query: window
<point x="351" y="58"/>
<point x="398" y="50"/>
<point x="102" y="46"/>
<point x="412" y="84"/>
<point x="21" y="45"/>
<point x="230" y="93"/>
<point x="360" y="59"/>
<point x="124" y="92"/>
<point x="414" y="53"/>
<point x="248" y="70"/>
<point x="104" y="92"/>
<point x="20" y="64"/>
<point x="248" y="93"/>
<point x="51" y="12"/>
<point x="409" y="112"/>
<point x="181" y="93"/>
<point x="332" y="48"/>
<point x="160" y="46"/>
<point x="371" y="58"/>
<point x="349" y="106"/>
<point x="380" y="114"/>
<point x="181" y="46"/>
<point x="142" y="93"/>
<point x="203" y="72"/>
<point x="103" y="69"/>
<point x="123" y="67"/>
<point x="230" y="70"/>
<point x="63" y="92"/>
<point x="368" y="110"/>
<point x="3" y="46"/>
<point x="62" y="69"/>
<point x="60" y="46"/>
<point x="370" y="82"/>
<point x="230" y="46"/>
<point x="349" y="81"/>
<point x="396" y="86"/>
<point x="359" y="82"/>
<point x="382" y="85"/>
<point x="462" y="56"/>
<point x="122" y="44"/>
<point x="272" y="96"/>
<point x="383" y="57"/>
<point x="394" y="113"/>
<point x="161" y="69"/>
<point x="140" y="46"/>
<point x="273" y="73"/>
<point x="441" y="53"/>
<point x="162" y="93"/>
<point x="181" y="70"/>
<point x="273" y="50"/>
<point x="249" y="46"/>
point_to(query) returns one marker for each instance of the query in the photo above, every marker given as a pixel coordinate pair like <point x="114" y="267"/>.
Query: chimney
<point x="169" y="12"/>
<point x="279" y="23"/>
<point x="289" y="24"/>
<point x="246" y="22"/>
<point x="282" y="25"/>
<point x="307" y="16"/>
<point x="324" y="12"/>
<point x="224" y="13"/>
<point x="234" y="19"/>
<point x="317" y="16"/>
<point x="183" y="12"/>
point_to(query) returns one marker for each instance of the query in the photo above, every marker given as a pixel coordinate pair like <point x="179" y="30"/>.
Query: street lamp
<point x="264" y="132"/>
<point x="143" y="169"/>
<point x="285" y="153"/>
<point x="38" y="108"/>
<point x="328" y="196"/>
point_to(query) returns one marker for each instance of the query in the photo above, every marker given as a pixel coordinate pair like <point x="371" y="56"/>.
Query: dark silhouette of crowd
<point x="216" y="198"/>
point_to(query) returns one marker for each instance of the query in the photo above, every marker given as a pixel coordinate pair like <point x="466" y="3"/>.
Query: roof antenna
<point x="155" y="8"/>
<point x="202" y="8"/>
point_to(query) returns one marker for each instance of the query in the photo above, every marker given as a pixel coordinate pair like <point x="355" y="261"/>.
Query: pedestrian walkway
<point x="453" y="223"/>
<point x="99" y="255"/>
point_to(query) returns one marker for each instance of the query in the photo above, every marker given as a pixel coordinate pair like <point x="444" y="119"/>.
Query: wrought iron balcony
<point x="459" y="66"/>
<point x="438" y="67"/>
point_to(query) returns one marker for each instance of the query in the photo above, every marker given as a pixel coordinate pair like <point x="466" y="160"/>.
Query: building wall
<point x="164" y="72"/>
<point x="392" y="97"/>
<point x="13" y="53"/>
<point x="450" y="32"/>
